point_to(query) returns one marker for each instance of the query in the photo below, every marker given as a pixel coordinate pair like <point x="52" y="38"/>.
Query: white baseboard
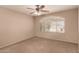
<point x="14" y="42"/>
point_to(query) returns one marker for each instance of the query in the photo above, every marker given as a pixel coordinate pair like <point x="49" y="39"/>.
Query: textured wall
<point x="14" y="27"/>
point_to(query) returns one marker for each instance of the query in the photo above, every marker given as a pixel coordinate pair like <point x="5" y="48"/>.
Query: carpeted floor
<point x="41" y="45"/>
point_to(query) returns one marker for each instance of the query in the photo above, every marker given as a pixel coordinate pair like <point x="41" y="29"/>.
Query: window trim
<point x="55" y="18"/>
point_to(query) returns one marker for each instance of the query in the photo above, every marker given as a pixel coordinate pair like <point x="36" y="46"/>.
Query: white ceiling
<point x="51" y="8"/>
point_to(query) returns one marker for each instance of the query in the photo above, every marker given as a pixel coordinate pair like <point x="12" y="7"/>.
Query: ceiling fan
<point x="38" y="9"/>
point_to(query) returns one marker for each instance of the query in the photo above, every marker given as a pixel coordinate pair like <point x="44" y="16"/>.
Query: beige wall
<point x="14" y="27"/>
<point x="71" y="26"/>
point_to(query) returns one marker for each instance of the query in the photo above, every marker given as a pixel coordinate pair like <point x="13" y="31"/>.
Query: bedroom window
<point x="54" y="24"/>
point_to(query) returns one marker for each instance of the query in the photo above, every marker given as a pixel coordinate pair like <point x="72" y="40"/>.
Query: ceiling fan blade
<point x="31" y="12"/>
<point x="30" y="8"/>
<point x="42" y="6"/>
<point x="44" y="10"/>
<point x="37" y="6"/>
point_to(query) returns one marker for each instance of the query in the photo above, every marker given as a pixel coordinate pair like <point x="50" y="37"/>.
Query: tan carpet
<point x="41" y="45"/>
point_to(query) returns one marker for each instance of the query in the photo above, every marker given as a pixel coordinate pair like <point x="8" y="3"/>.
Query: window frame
<point x="54" y="18"/>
